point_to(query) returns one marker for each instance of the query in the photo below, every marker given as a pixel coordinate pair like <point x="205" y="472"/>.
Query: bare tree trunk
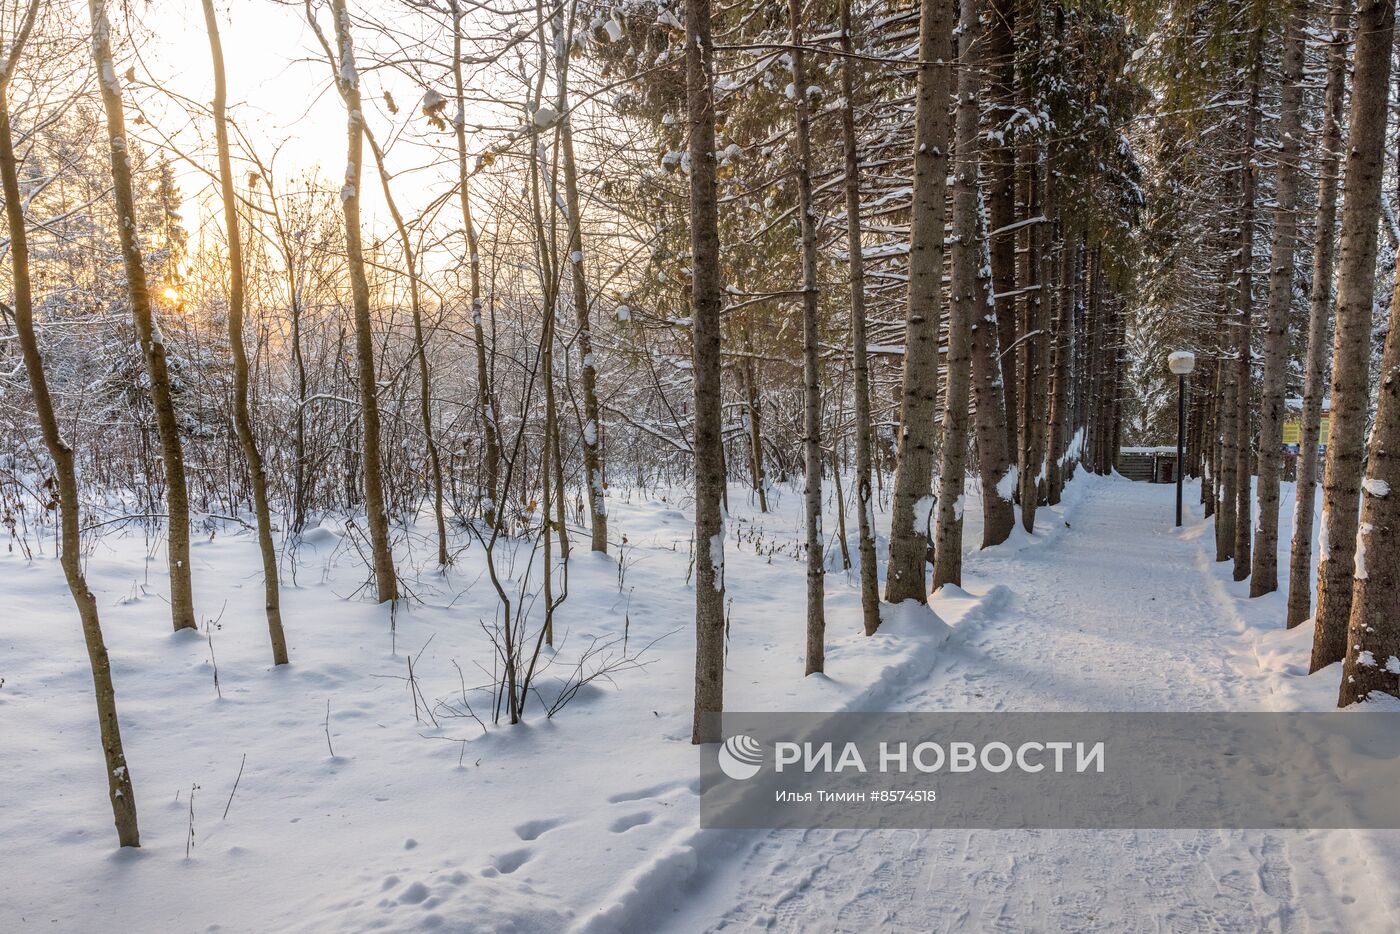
<point x="542" y="173"/>
<point x="811" y="356"/>
<point x="119" y="788"/>
<point x="1356" y="267"/>
<point x="840" y="507"/>
<point x="420" y="347"/>
<point x="299" y="493"/>
<point x="596" y="485"/>
<point x="965" y="308"/>
<point x="706" y="303"/>
<point x="1244" y="307"/>
<point x="425" y="395"/>
<point x="152" y="341"/>
<point x="242" y="419"/>
<point x="551" y="490"/>
<point x="484" y="397"/>
<point x="347" y="80"/>
<point x="919" y="401"/>
<point x="1300" y="577"/>
<point x="869" y="569"/>
<point x="755" y="414"/>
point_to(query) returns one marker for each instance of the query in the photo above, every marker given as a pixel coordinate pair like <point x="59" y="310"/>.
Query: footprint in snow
<point x="532" y="829"/>
<point x="624" y="824"/>
<point x="507" y="863"/>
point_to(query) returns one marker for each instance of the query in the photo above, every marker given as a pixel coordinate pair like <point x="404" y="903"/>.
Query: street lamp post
<point x="1182" y="362"/>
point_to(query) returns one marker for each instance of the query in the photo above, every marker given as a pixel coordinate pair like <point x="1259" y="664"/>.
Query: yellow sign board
<point x="1293" y="432"/>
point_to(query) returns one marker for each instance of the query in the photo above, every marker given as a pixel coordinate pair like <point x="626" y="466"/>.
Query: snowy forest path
<point x="1114" y="613"/>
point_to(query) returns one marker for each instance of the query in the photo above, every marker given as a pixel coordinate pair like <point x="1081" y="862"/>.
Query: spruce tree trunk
<point x="965" y="308"/>
<point x="1035" y="342"/>
<point x="1300" y="578"/>
<point x="1094" y="329"/>
<point x="705" y="313"/>
<point x="811" y="352"/>
<point x="869" y="569"/>
<point x="919" y="400"/>
<point x="1264" y="573"/>
<point x="243" y="421"/>
<point x="989" y="416"/>
<point x="147" y="329"/>
<point x="1206" y="441"/>
<point x="1372" y="660"/>
<point x="1227" y="373"/>
<point x="1062" y="348"/>
<point x="348" y="82"/>
<point x="1356" y="267"/>
<point x="485" y="399"/>
<point x="1244" y="313"/>
<point x="119" y="788"/>
<point x="1000" y="158"/>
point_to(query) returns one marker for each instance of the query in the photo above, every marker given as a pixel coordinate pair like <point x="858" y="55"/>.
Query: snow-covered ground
<point x="589" y="820"/>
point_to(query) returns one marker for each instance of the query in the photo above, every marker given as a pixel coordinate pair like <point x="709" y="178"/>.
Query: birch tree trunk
<point x="348" y="82"/>
<point x="811" y="356"/>
<point x="919" y="399"/>
<point x="965" y="308"/>
<point x="147" y="329"/>
<point x="1264" y="573"/>
<point x="243" y="421"/>
<point x="119" y="788"/>
<point x="1356" y="282"/>
<point x="1300" y="578"/>
<point x="869" y="569"/>
<point x="706" y="303"/>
